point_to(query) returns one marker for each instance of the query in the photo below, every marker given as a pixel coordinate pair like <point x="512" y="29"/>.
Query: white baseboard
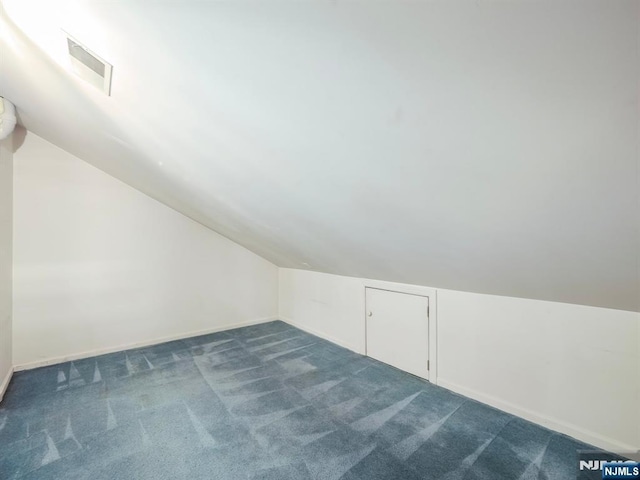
<point x="293" y="323"/>
<point x="146" y="343"/>
<point x="551" y="423"/>
<point x="5" y="383"/>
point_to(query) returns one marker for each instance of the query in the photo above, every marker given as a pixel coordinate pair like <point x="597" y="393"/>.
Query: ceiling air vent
<point x="89" y="66"/>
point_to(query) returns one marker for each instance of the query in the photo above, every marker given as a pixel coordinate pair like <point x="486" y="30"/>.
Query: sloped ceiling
<point x="476" y="145"/>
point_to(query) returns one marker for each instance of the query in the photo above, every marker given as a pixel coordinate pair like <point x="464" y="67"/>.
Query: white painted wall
<point x="6" y="236"/>
<point x="573" y="368"/>
<point x="99" y="265"/>
<point x="331" y="306"/>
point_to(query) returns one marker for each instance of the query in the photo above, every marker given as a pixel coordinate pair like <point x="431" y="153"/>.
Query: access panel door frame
<point x="398" y="330"/>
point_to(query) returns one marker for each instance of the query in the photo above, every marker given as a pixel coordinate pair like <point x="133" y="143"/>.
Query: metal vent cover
<point x="89" y="66"/>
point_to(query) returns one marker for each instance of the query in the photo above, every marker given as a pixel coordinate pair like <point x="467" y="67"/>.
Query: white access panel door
<point x="398" y="330"/>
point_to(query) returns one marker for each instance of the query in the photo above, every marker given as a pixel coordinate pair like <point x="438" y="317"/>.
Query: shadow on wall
<point x="19" y="134"/>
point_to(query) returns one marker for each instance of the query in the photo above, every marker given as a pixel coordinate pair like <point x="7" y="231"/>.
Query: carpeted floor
<point x="262" y="402"/>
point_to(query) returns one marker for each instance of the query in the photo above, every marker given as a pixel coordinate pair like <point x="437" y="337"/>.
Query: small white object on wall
<point x="8" y="118"/>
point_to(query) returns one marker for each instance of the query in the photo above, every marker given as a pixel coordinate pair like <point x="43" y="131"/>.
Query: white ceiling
<point x="484" y="146"/>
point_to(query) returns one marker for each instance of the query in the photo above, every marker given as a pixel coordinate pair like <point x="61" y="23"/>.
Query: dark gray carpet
<point x="262" y="402"/>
